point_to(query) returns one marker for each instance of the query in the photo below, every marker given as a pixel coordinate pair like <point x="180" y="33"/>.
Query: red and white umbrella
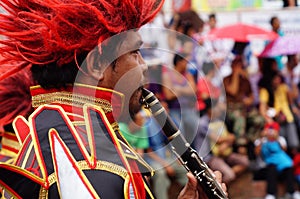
<point x="241" y="32"/>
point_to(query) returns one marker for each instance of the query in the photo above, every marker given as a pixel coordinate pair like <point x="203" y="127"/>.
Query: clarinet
<point x="189" y="158"/>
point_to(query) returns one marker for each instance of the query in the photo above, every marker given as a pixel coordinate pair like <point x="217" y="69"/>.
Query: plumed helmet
<point x="54" y="31"/>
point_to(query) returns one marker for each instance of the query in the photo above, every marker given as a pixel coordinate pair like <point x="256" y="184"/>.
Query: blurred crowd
<point x="236" y="119"/>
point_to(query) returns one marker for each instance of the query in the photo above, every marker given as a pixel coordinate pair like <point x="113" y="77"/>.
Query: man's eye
<point x="137" y="51"/>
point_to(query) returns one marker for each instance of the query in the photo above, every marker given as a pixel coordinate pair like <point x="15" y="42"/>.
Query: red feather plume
<point x="45" y="31"/>
<point x="15" y="98"/>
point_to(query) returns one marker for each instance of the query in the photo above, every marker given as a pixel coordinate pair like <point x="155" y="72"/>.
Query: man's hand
<point x="193" y="191"/>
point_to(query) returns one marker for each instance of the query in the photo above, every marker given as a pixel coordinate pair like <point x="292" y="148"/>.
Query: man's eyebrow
<point x="138" y="44"/>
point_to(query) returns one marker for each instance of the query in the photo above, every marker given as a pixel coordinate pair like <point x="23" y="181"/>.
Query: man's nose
<point x="144" y="70"/>
<point x="143" y="63"/>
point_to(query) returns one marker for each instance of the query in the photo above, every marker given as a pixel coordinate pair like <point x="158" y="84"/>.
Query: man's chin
<point x="134" y="106"/>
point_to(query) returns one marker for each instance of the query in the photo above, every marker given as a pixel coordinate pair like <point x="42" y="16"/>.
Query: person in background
<point x="135" y="132"/>
<point x="291" y="74"/>
<point x="289" y="3"/>
<point x="159" y="155"/>
<point x="276" y="27"/>
<point x="275" y="101"/>
<point x="179" y="91"/>
<point x="206" y="90"/>
<point x="279" y="164"/>
<point x="205" y="141"/>
<point x="291" y="77"/>
<point x="239" y="98"/>
<point x="296" y="166"/>
<point x="188" y="23"/>
<point x="187" y="26"/>
<point x="217" y="51"/>
<point x="212" y="21"/>
<point x="222" y="143"/>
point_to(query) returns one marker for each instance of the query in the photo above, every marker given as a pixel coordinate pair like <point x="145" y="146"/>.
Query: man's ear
<point x="93" y="66"/>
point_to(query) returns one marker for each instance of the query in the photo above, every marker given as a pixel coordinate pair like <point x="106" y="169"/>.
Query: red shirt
<point x="296" y="161"/>
<point x="204" y="86"/>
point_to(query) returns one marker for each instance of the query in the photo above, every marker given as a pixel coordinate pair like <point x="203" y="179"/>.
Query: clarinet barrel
<point x="182" y="149"/>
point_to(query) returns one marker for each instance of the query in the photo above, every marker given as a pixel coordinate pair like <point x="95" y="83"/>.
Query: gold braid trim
<point x="69" y="98"/>
<point x="11" y="143"/>
<point x="43" y="193"/>
<point x="105" y="166"/>
<point x="115" y="126"/>
<point x="51" y="179"/>
<point x="78" y="123"/>
<point x="101" y="165"/>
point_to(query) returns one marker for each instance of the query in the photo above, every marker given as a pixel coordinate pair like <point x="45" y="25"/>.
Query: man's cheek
<point x="129" y="81"/>
<point x="134" y="103"/>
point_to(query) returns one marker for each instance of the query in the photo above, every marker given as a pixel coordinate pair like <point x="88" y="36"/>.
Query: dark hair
<point x="212" y="16"/>
<point x="187" y="26"/>
<point x="237" y="60"/>
<point x="266" y="82"/>
<point x="178" y="57"/>
<point x="207" y="67"/>
<point x="273" y="19"/>
<point x="191" y="18"/>
<point x="53" y="76"/>
<point x="239" y="47"/>
<point x="268" y="73"/>
<point x="266" y="65"/>
<point x="291" y="57"/>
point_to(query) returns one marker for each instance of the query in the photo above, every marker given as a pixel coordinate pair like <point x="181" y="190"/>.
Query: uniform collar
<point x="73" y="97"/>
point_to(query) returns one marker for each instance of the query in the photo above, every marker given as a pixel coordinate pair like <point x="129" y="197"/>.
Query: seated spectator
<point x="232" y="164"/>
<point x="222" y="142"/>
<point x="167" y="168"/>
<point x="135" y="132"/>
<point x="275" y="23"/>
<point x="179" y="91"/>
<point x="240" y="99"/>
<point x="206" y="89"/>
<point x="274" y="98"/>
<point x="291" y="75"/>
<point x="279" y="165"/>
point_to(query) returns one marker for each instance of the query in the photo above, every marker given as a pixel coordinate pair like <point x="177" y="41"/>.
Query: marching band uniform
<point x="72" y="135"/>
<point x="9" y="147"/>
<point x="71" y="146"/>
